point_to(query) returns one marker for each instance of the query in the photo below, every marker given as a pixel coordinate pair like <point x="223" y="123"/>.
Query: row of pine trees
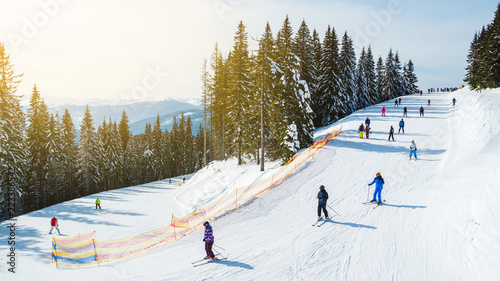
<point x="483" y="69"/>
<point x="47" y="163"/>
<point x="292" y="84"/>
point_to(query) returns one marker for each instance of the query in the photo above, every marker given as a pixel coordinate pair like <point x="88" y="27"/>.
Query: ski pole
<point x="220" y="247"/>
<point x="333" y="210"/>
<point x="368" y="195"/>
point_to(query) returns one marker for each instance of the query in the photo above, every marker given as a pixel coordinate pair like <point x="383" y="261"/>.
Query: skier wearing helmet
<point x="209" y="241"/>
<point x="379" y="184"/>
<point x="322" y="198"/>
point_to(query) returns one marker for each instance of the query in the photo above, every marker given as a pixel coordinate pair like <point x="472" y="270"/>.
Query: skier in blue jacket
<point x="322" y="198"/>
<point x="379" y="184"/>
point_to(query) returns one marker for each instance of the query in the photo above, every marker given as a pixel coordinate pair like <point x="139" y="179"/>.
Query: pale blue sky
<point x="155" y="49"/>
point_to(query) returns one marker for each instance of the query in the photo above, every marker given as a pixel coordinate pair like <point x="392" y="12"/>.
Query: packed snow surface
<point x="440" y="220"/>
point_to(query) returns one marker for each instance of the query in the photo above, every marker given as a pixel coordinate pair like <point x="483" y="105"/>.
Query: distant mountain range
<point x="138" y="113"/>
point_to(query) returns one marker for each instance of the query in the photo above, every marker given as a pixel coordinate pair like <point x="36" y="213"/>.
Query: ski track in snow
<point x="440" y="220"/>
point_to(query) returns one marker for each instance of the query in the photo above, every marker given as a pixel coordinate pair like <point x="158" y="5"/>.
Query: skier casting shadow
<point x="379" y="184"/>
<point x="322" y="199"/>
<point x="209" y="241"/>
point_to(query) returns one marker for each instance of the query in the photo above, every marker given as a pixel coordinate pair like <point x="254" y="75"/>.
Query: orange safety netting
<point x="83" y="250"/>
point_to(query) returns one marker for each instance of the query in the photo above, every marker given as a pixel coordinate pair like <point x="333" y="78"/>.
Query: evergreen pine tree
<point x="69" y="152"/>
<point x="380" y="72"/>
<point x="371" y="77"/>
<point x="349" y="101"/>
<point x="295" y="95"/>
<point x="12" y="142"/>
<point x="389" y="82"/>
<point x="316" y="104"/>
<point x="55" y="160"/>
<point x="361" y="82"/>
<point x="400" y="90"/>
<point x="37" y="140"/>
<point x="88" y="155"/>
<point x="267" y="74"/>
<point x="329" y="83"/>
<point x="240" y="87"/>
<point x="126" y="163"/>
<point x="158" y="148"/>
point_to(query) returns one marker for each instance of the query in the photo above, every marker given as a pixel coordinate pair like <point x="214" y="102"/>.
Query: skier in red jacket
<point x="54" y="223"/>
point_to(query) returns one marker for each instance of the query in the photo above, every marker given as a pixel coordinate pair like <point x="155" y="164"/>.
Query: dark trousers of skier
<point x="401" y="128"/>
<point x="322" y="206"/>
<point x="98" y="206"/>
<point x="208" y="249"/>
<point x="391" y="135"/>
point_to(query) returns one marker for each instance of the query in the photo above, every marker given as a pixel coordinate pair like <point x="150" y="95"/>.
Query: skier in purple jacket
<point x="209" y="241"/>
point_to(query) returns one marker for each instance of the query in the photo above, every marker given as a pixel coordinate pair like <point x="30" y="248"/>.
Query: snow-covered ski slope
<point x="441" y="220"/>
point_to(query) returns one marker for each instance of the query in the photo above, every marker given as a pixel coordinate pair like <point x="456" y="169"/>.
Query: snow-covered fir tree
<point x="69" y="153"/>
<point x="240" y="86"/>
<point x="411" y="77"/>
<point x="390" y="82"/>
<point x="38" y="153"/>
<point x="361" y="82"/>
<point x="12" y="129"/>
<point x="349" y="100"/>
<point x="295" y="96"/>
<point x="380" y="72"/>
<point x="329" y="82"/>
<point x="88" y="155"/>
<point x="370" y="76"/>
<point x="55" y="160"/>
<point x="316" y="53"/>
<point x="399" y="76"/>
<point x="483" y="69"/>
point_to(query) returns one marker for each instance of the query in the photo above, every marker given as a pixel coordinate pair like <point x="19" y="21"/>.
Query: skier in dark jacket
<point x="322" y="199"/>
<point x="391" y="134"/>
<point x="209" y="241"/>
<point x="361" y="129"/>
<point x="367" y="122"/>
<point x="405" y="112"/>
<point x="421" y="111"/>
<point x="454" y="100"/>
<point x="379" y="184"/>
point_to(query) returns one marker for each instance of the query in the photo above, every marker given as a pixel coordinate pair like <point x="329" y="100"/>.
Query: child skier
<point x="361" y="129"/>
<point x="383" y="111"/>
<point x="209" y="241"/>
<point x="413" y="149"/>
<point x="421" y="111"/>
<point x="379" y="184"/>
<point x="391" y="134"/>
<point x="405" y="112"/>
<point x="401" y="126"/>
<point x="98" y="203"/>
<point x="322" y="199"/>
<point x="367" y="130"/>
<point x="54" y="224"/>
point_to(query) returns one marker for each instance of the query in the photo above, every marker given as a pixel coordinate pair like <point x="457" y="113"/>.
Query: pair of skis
<point x="370" y="202"/>
<point x="320" y="222"/>
<point x="208" y="260"/>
